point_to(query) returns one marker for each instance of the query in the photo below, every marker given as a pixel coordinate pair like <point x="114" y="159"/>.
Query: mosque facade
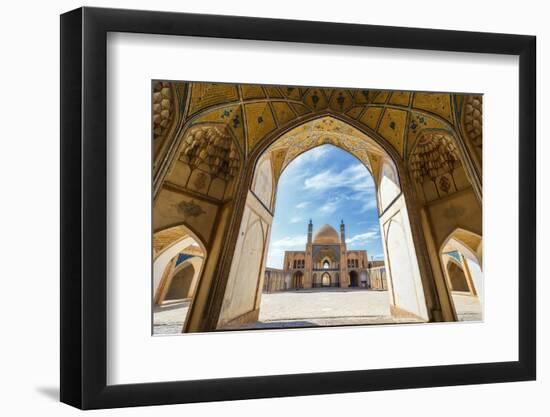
<point x="325" y="262"/>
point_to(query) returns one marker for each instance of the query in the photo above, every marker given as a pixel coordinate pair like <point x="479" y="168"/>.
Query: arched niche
<point x="326" y="280"/>
<point x="436" y="166"/>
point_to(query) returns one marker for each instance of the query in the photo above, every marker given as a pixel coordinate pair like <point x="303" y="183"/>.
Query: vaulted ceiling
<point x="253" y="114"/>
<point x="254" y="111"/>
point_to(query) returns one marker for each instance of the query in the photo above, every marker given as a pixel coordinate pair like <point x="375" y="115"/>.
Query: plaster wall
<point x="459" y="210"/>
<point x="248" y="265"/>
<point x="173" y="208"/>
<point x="404" y="281"/>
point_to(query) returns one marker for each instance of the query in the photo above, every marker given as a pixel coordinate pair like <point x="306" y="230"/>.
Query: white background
<point x="135" y="357"/>
<point x="29" y="220"/>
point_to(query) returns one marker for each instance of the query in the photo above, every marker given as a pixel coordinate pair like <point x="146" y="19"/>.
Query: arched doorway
<point x="180" y="285"/>
<point x="353" y="279"/>
<point x="460" y="257"/>
<point x="297" y="280"/>
<point x="457" y="277"/>
<point x="325" y="280"/>
<point x="391" y="204"/>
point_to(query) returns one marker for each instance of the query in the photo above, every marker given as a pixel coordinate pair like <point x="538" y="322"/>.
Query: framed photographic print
<point x="258" y="208"/>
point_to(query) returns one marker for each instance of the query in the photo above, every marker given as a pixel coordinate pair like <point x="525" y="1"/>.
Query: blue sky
<point x="325" y="184"/>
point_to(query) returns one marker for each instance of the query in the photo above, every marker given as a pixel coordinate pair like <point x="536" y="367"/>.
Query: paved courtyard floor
<point x="323" y="307"/>
<point x="169" y="317"/>
<point x="468" y="308"/>
<point x="312" y="308"/>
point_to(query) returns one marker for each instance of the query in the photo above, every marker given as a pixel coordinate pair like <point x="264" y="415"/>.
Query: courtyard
<point x="312" y="308"/>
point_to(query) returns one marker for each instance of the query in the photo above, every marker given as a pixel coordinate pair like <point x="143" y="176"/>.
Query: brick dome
<point x="326" y="234"/>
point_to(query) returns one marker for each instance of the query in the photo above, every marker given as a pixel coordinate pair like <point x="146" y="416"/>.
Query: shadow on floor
<point x="172" y="305"/>
<point x="279" y="324"/>
<point x="49" y="392"/>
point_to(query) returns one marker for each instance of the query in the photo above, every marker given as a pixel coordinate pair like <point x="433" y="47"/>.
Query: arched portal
<point x="390" y="201"/>
<point x="180" y="285"/>
<point x="325" y="280"/>
<point x="353" y="279"/>
<point x="297" y="280"/>
<point x="460" y="256"/>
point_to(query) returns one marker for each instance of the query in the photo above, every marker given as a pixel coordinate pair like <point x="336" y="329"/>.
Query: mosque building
<point x="325" y="262"/>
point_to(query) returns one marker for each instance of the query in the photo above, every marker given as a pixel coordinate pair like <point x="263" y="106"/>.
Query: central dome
<point x="326" y="234"/>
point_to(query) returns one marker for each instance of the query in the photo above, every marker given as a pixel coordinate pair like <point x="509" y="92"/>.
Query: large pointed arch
<point x="246" y="202"/>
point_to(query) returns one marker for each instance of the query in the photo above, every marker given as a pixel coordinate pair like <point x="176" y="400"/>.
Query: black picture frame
<point x="84" y="207"/>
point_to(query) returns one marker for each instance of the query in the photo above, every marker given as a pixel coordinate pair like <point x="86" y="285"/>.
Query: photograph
<point x="275" y="209"/>
<point x="282" y="207"/>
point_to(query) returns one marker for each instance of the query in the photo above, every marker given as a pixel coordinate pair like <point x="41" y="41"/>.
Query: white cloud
<point x="302" y="205"/>
<point x="278" y="247"/>
<point x="356" y="177"/>
<point x="330" y="206"/>
<point x="295" y="219"/>
<point x="275" y="258"/>
<point x="369" y="204"/>
<point x="363" y="238"/>
<point x="290" y="242"/>
<point x="310" y="156"/>
<point x="299" y="168"/>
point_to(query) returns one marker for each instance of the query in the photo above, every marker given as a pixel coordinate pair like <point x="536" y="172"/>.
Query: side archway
<point x="460" y="256"/>
<point x="172" y="247"/>
<point x="182" y="282"/>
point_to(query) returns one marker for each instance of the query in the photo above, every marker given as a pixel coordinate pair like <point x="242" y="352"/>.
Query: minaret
<point x="342" y="232"/>
<point x="344" y="278"/>
<point x="308" y="267"/>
